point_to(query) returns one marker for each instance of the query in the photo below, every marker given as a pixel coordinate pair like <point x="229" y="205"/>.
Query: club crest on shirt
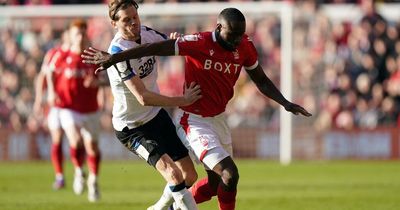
<point x="211" y="52"/>
<point x="190" y="38"/>
<point x="203" y="141"/>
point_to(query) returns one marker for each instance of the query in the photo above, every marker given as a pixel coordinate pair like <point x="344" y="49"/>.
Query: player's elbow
<point x="144" y="99"/>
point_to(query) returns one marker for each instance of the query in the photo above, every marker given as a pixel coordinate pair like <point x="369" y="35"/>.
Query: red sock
<point x="76" y="157"/>
<point x="93" y="163"/>
<point x="226" y="200"/>
<point x="57" y="158"/>
<point x="81" y="155"/>
<point x="202" y="191"/>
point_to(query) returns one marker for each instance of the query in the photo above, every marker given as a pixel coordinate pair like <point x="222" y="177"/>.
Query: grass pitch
<point x="263" y="185"/>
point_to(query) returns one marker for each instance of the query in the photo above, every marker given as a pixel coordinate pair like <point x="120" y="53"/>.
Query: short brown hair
<point x="80" y="23"/>
<point x="115" y="5"/>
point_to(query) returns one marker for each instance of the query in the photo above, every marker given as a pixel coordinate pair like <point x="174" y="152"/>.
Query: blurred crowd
<point x="358" y="66"/>
<point x="48" y="2"/>
<point x="346" y="73"/>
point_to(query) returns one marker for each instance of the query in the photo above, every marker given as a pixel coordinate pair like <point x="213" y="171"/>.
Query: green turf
<point x="358" y="185"/>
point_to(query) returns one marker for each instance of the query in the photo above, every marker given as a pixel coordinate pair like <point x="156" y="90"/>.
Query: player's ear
<point x="219" y="26"/>
<point x="114" y="24"/>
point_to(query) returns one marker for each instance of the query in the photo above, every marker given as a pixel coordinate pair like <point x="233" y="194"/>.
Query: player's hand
<point x="98" y="57"/>
<point x="52" y="98"/>
<point x="296" y="109"/>
<point x="191" y="93"/>
<point x="174" y="35"/>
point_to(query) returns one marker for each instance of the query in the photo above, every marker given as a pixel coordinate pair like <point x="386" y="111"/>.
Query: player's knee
<point x="169" y="170"/>
<point x="75" y="140"/>
<point x="56" y="136"/>
<point x="230" y="177"/>
<point x="92" y="148"/>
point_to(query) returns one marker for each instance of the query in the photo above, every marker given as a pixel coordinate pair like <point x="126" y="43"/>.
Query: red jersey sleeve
<point x="184" y="45"/>
<point x="47" y="59"/>
<point x="251" y="61"/>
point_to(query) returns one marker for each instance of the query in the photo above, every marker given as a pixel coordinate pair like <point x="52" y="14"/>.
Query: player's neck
<point x="222" y="42"/>
<point x="76" y="49"/>
<point x="138" y="40"/>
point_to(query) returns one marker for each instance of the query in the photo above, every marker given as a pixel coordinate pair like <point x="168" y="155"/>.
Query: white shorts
<point x="89" y="123"/>
<point x="53" y="118"/>
<point x="209" y="138"/>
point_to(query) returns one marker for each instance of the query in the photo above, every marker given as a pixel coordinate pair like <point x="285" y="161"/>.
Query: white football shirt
<point x="127" y="111"/>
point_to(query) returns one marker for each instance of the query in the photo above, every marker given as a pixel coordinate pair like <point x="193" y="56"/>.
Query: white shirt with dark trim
<point x="127" y="111"/>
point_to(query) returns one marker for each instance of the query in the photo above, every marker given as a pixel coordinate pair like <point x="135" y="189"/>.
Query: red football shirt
<point x="50" y="54"/>
<point x="51" y="57"/>
<point x="47" y="61"/>
<point x="215" y="69"/>
<point x="70" y="75"/>
<point x="54" y="58"/>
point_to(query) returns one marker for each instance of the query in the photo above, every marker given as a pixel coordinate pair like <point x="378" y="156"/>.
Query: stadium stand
<point x="347" y="73"/>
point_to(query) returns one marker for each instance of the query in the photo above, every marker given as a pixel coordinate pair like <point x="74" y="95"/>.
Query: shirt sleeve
<point x="251" y="61"/>
<point x="55" y="60"/>
<point x="47" y="61"/>
<point x="184" y="45"/>
<point x="123" y="68"/>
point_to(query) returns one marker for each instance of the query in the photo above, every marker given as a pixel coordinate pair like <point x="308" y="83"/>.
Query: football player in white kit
<point x="140" y="124"/>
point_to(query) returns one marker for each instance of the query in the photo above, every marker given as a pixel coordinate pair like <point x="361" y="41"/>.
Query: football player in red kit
<point x="75" y="94"/>
<point x="214" y="61"/>
<point x="51" y="59"/>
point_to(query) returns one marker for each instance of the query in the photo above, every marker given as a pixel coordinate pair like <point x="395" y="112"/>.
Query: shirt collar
<point x="214" y="38"/>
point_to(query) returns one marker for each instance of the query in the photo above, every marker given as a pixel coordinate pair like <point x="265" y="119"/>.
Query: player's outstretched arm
<point x="52" y="96"/>
<point x="40" y="83"/>
<point x="267" y="87"/>
<point x="105" y="60"/>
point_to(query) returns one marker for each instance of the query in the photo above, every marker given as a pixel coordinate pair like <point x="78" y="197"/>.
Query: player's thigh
<point x="221" y="127"/>
<point x="141" y="144"/>
<point x="71" y="123"/>
<point x="204" y="138"/>
<point x="54" y="124"/>
<point x="226" y="165"/>
<point x="163" y="131"/>
<point x="56" y="135"/>
<point x="208" y="148"/>
<point x="91" y="126"/>
<point x="213" y="157"/>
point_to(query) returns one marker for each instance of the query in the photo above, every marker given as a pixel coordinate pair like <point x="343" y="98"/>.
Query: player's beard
<point x="226" y="45"/>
